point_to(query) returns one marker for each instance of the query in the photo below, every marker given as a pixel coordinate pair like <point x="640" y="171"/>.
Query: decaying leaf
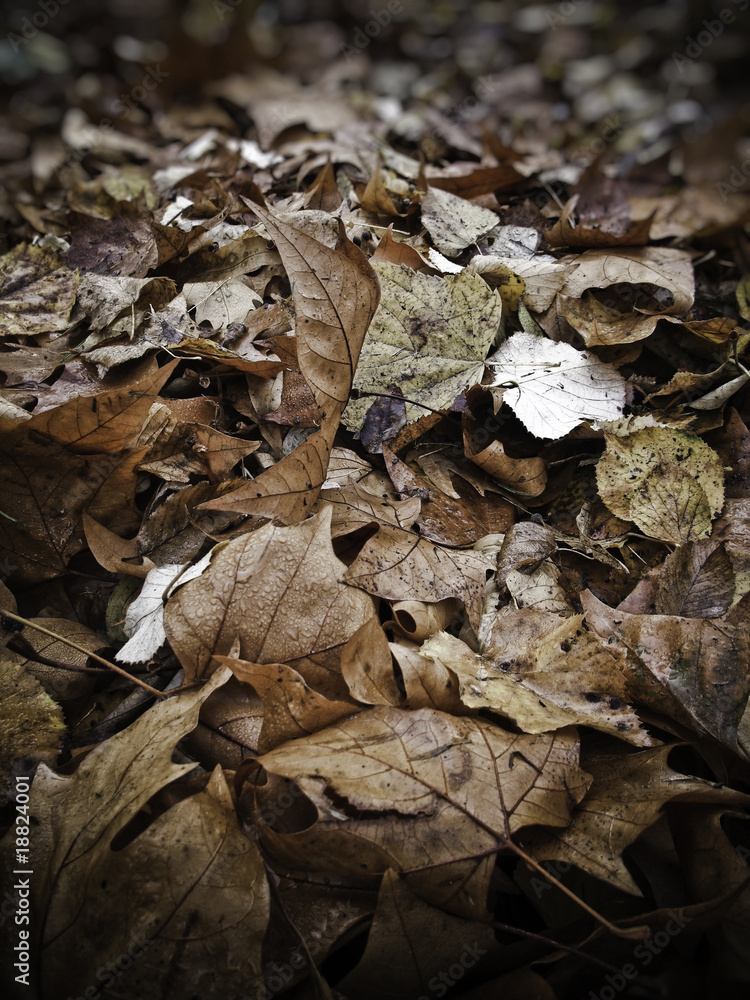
<point x="692" y="669"/>
<point x="670" y="482"/>
<point x="432" y="939"/>
<point x="543" y="674"/>
<point x="453" y="787"/>
<point x="106" y="423"/>
<point x="31" y="722"/>
<point x="625" y="798"/>
<point x="696" y="581"/>
<point x="428" y="339"/>
<point x="399" y="565"/>
<point x="43" y="491"/>
<point x="37" y="291"/>
<point x="453" y="222"/>
<point x="336" y="293"/>
<point x="291" y="708"/>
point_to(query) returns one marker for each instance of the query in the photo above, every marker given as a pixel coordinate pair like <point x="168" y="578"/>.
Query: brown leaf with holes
<point x="543" y="673"/>
<point x="452" y="787"/>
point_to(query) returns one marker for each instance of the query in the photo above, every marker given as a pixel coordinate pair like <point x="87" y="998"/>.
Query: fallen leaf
<point x="47" y="658"/>
<point x="290" y="707"/>
<point x="335" y="295"/>
<point x="398" y="565"/>
<point x="692" y="669"/>
<point x="129" y="243"/>
<point x="44" y="489"/>
<point x="37" y="291"/>
<point x="525" y="476"/>
<point x="449" y="518"/>
<point x="367" y="667"/>
<point x="410" y="943"/>
<point x="31" y="722"/>
<point x="279" y="591"/>
<point x="543" y="676"/>
<point x="451" y="787"/>
<point x="553" y="387"/>
<point x="564" y="234"/>
<point x="429" y="337"/>
<point x="670" y="482"/>
<point x="221" y="302"/>
<point x="540" y="589"/>
<point x="106" y="423"/>
<point x="608" y="821"/>
<point x="696" y="581"/>
<point x="94" y="903"/>
<point x="454" y="223"/>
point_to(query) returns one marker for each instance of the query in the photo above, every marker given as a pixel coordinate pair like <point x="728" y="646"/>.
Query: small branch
<point x="88" y="653"/>
<point x="629" y="932"/>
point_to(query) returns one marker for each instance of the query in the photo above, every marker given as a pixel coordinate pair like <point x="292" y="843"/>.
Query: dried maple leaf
<point x="399" y="789"/>
<point x="279" y="591"/>
<point x="625" y="798"/>
<point x="525" y="476"/>
<point x="169" y="894"/>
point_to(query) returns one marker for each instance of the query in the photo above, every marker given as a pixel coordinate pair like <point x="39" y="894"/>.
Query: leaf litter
<point x="374" y="529"/>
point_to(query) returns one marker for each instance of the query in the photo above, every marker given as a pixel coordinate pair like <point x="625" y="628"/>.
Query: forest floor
<point x="375" y="508"/>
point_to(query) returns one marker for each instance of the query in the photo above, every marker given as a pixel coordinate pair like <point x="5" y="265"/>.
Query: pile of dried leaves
<point x="417" y="460"/>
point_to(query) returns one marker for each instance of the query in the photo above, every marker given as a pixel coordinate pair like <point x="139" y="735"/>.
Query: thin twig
<point x="82" y="649"/>
<point x="628" y="933"/>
